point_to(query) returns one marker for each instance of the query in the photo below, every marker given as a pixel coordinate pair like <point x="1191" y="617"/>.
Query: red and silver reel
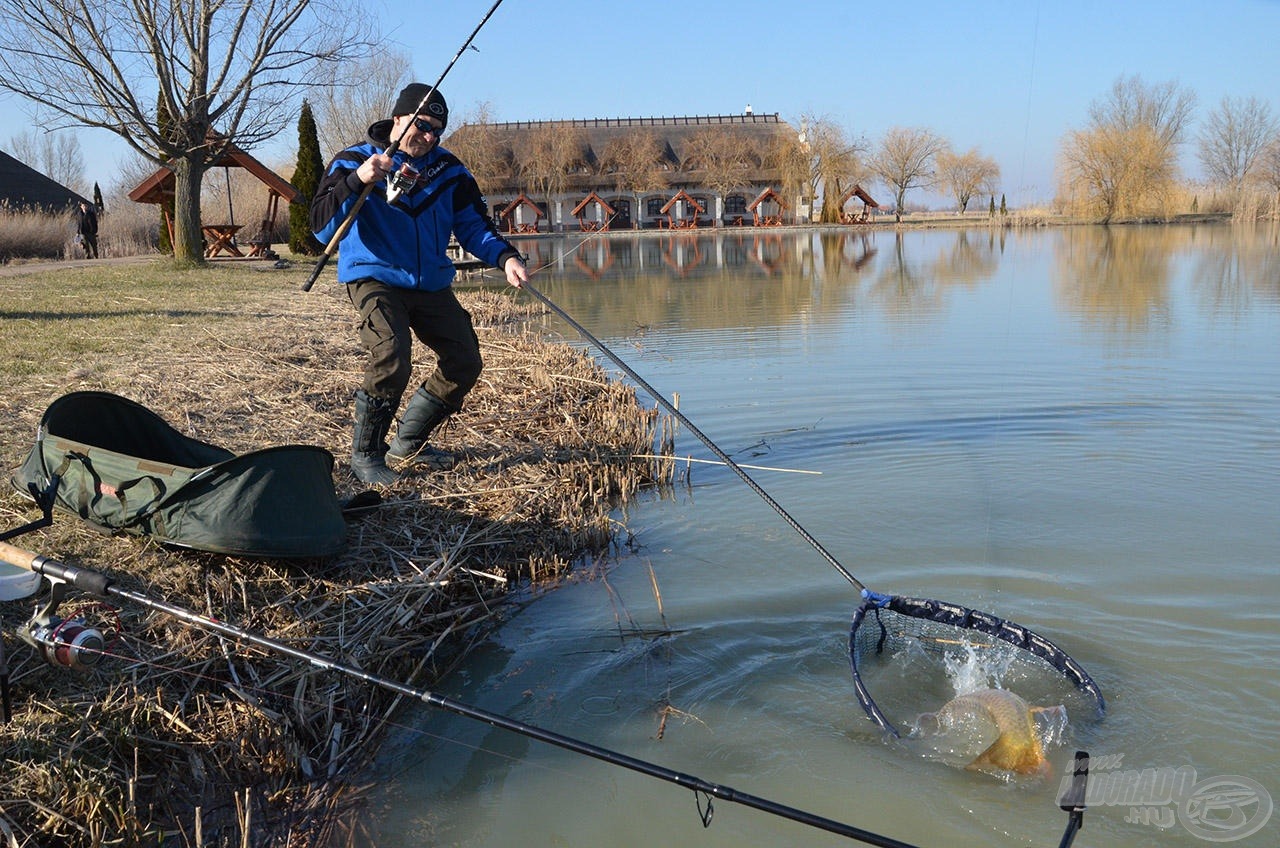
<point x="401" y="181"/>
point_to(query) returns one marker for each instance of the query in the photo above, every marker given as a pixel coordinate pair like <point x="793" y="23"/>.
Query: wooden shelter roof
<point x="519" y="201"/>
<point x="767" y="194"/>
<point x="593" y="198"/>
<point x="858" y="192"/>
<point x="682" y="195"/>
<point x="159" y="187"/>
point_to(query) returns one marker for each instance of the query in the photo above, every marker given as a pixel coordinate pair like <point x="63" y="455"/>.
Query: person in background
<point x="87" y="229"/>
<point x="394" y="263"/>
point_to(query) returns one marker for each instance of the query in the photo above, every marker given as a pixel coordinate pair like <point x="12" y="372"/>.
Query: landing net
<point x="907" y="651"/>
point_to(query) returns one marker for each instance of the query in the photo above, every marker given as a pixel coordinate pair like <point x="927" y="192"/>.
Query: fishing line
<point x="892" y="621"/>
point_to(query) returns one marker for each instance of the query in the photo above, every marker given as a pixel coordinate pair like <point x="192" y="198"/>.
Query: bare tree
<point x="1233" y="138"/>
<point x="355" y="95"/>
<point x="1126" y="160"/>
<point x="547" y="154"/>
<point x="220" y="74"/>
<point x="966" y="174"/>
<point x="477" y="143"/>
<point x="56" y="155"/>
<point x="636" y="161"/>
<point x="719" y="159"/>
<point x="905" y="160"/>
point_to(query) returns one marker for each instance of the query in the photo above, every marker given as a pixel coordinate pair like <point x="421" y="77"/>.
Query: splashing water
<point x="987" y="727"/>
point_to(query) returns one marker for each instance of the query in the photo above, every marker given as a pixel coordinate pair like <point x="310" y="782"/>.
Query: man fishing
<point x="399" y="277"/>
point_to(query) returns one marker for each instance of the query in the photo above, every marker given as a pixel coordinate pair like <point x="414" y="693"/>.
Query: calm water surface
<point x="1078" y="429"/>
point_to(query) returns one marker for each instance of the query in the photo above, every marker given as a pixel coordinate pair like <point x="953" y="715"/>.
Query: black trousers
<point x="388" y="316"/>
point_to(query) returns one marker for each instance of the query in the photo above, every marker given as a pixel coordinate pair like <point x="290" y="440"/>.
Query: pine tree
<point x="992" y="212"/>
<point x="97" y="199"/>
<point x="1004" y="210"/>
<point x="306" y="178"/>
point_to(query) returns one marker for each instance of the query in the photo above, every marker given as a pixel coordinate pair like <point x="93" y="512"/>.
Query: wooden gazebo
<point x="221" y="237"/>
<point x="515" y="221"/>
<point x="766" y="210"/>
<point x="675" y="208"/>
<point x="867" y="205"/>
<point x="603" y="213"/>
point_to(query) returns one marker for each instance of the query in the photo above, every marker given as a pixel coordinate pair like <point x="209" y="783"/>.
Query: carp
<point x="997" y="715"/>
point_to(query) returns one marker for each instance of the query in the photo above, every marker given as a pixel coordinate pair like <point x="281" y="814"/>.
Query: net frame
<point x="873" y="611"/>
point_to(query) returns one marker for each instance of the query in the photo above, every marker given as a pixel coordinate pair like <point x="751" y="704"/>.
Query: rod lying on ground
<point x="103" y="586"/>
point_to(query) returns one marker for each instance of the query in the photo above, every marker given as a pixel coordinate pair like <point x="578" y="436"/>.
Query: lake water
<point x="1077" y="429"/>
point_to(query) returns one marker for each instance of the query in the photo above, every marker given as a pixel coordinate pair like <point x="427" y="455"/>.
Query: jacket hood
<point x="380" y="133"/>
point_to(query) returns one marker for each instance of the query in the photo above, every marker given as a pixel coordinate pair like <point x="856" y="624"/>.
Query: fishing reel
<point x="404" y="179"/>
<point x="67" y="641"/>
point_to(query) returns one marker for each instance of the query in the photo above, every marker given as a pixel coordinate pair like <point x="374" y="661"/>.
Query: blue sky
<point x="1010" y="78"/>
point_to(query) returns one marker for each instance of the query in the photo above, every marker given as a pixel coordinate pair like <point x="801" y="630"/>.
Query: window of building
<point x="735" y="204"/>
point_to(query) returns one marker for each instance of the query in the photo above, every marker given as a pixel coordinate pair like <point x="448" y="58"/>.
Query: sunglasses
<point x="425" y="126"/>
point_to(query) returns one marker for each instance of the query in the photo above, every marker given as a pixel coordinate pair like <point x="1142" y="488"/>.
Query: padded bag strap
<point x="108" y="505"/>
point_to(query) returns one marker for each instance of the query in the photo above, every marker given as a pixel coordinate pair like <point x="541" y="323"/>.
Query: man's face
<point x="421" y="136"/>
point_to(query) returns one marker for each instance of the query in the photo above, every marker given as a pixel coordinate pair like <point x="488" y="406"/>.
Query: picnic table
<point x="221" y="238"/>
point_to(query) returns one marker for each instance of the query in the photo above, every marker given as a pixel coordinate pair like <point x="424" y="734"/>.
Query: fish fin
<point x="1008" y="754"/>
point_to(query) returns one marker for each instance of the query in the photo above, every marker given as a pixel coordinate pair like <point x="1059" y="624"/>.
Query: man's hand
<point x="375" y="168"/>
<point x="517" y="274"/>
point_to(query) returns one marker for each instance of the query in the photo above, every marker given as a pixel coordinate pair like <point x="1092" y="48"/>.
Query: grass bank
<point x="182" y="738"/>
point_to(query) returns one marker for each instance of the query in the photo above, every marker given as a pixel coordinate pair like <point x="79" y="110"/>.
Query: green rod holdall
<point x="123" y="469"/>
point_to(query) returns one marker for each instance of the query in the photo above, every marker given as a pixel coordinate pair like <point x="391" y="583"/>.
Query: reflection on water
<point x="1112" y="277"/>
<point x="1074" y="428"/>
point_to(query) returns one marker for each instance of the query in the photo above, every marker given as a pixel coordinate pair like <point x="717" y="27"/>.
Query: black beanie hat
<point x="411" y="96"/>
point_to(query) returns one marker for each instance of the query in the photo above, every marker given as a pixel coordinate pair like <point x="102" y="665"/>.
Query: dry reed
<point x="184" y="738"/>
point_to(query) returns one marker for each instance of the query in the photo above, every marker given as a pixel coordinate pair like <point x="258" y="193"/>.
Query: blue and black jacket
<point x="405" y="244"/>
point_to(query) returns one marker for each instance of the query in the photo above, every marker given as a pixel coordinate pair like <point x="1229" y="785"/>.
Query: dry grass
<point x="183" y="738"/>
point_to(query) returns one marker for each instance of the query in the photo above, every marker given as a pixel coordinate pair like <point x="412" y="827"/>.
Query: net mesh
<point x="910" y="651"/>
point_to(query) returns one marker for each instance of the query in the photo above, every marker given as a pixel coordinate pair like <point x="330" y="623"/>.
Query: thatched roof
<point x="23" y="186"/>
<point x="673" y="134"/>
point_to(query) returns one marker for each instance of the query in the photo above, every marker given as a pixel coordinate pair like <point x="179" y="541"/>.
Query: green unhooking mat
<point x="122" y="468"/>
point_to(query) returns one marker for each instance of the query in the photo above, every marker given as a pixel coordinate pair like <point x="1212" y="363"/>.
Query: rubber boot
<point x="368" y="443"/>
<point x="424" y="414"/>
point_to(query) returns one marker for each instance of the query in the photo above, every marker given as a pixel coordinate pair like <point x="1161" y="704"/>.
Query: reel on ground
<point x="66" y="642"/>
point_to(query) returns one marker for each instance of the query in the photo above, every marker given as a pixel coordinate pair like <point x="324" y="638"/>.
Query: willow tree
<point x="226" y="73"/>
<point x="833" y="161"/>
<point x="1125" y="161"/>
<point x="966" y="174"/>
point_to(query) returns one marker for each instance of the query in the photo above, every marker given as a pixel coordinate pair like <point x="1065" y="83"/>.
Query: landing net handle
<point x="871" y="630"/>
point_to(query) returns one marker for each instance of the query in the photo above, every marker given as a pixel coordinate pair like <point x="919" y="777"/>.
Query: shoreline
<point x="179" y="730"/>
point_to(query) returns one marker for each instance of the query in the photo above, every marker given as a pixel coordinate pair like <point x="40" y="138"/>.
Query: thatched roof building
<point x="635" y="165"/>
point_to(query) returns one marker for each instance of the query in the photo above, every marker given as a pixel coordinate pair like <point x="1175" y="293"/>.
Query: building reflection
<point x="1116" y="279"/>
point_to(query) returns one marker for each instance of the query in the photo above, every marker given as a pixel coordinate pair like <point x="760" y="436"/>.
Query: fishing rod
<point x="332" y="246"/>
<point x="910" y="621"/>
<point x="70" y="643"/>
<point x="712" y="446"/>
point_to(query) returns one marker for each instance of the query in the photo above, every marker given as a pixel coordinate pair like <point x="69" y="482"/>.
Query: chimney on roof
<point x="748" y="109"/>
